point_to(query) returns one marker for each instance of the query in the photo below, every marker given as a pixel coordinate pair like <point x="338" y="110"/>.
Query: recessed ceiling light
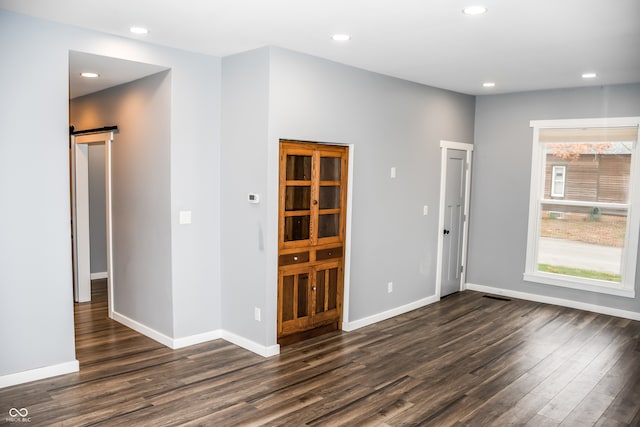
<point x="488" y="84"/>
<point x="90" y="75"/>
<point x="589" y="75"/>
<point x="341" y="37"/>
<point x="139" y="30"/>
<point x="474" y="10"/>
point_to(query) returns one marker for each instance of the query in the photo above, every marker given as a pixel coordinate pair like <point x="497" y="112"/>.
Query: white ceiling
<point x="519" y="44"/>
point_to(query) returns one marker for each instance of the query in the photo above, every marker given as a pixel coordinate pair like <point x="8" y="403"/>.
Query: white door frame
<point x="445" y="146"/>
<point x="80" y="212"/>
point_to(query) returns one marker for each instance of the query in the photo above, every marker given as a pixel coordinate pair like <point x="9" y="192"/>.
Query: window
<point x="584" y="217"/>
<point x="557" y="181"/>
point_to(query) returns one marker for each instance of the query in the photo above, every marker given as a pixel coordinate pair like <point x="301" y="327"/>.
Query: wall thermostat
<point x="254" y="198"/>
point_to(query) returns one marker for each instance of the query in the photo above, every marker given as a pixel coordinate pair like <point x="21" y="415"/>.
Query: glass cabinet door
<point x="297" y="196"/>
<point x="311" y="195"/>
<point x="329" y="196"/>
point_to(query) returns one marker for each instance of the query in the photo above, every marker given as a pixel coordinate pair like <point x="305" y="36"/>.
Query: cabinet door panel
<point x="293" y="300"/>
<point x="327" y="288"/>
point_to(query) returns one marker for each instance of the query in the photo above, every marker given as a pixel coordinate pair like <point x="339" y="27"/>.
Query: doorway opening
<point x="455" y="186"/>
<point x="81" y="227"/>
<point x="136" y="97"/>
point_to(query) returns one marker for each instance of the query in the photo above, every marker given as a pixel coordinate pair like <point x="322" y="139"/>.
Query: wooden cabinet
<point x="312" y="209"/>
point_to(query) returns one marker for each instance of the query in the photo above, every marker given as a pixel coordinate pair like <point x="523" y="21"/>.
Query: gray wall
<point x="245" y="108"/>
<point x="141" y="201"/>
<point x="35" y="248"/>
<point x="97" y="209"/>
<point x="390" y="122"/>
<point x="501" y="176"/>
<point x="36" y="311"/>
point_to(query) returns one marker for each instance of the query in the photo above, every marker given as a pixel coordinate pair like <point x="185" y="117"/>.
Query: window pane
<point x="330" y="197"/>
<point x="330" y="168"/>
<point x="328" y="225"/>
<point x="557" y="183"/>
<point x="299" y="168"/>
<point x="589" y="172"/>
<point x="582" y="241"/>
<point x="296" y="228"/>
<point x="297" y="198"/>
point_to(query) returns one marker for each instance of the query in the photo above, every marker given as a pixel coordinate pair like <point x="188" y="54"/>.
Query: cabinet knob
<point x="295" y="258"/>
<point x="313" y="288"/>
<point x="315" y="202"/>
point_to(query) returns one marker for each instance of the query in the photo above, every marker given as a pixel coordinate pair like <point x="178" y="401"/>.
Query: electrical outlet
<point x="256" y="314"/>
<point x="390" y="287"/>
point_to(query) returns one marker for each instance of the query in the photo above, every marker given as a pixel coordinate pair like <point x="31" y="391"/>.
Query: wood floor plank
<point x="464" y="361"/>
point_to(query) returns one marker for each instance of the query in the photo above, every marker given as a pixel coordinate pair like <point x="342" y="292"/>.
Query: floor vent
<point x="495" y="297"/>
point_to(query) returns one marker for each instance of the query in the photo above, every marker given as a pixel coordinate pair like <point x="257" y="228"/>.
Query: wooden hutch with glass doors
<point x="312" y="211"/>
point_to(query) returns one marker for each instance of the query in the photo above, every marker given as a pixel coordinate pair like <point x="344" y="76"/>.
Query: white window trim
<point x="536" y="194"/>
<point x="554" y="192"/>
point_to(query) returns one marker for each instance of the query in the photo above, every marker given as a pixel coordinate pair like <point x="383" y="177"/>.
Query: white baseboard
<point x="143" y="329"/>
<point x="39" y="373"/>
<point x="360" y="323"/>
<point x="175" y="343"/>
<point x="101" y="275"/>
<point x="262" y="350"/>
<point x="555" y="301"/>
<point x="196" y="339"/>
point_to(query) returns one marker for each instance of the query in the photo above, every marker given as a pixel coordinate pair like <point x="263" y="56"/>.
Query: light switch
<point x="185" y="217"/>
<point x="393" y="172"/>
<point x="425" y="210"/>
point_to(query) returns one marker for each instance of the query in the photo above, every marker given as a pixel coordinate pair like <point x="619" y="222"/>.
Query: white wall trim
<point x="370" y="320"/>
<point x="346" y="280"/>
<point x="100" y="275"/>
<point x="555" y="301"/>
<point x="176" y="343"/>
<point x="247" y="344"/>
<point x="196" y="339"/>
<point x="143" y="329"/>
<point x="39" y="373"/>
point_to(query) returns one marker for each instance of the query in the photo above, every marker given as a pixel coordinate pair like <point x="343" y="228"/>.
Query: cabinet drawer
<point x="296" y="258"/>
<point x="330" y="253"/>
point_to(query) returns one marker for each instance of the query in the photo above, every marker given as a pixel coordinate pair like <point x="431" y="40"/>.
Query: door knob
<point x="446" y="231"/>
<point x="313" y="288"/>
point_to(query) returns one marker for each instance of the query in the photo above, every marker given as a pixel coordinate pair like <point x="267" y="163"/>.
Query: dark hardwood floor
<point x="465" y="361"/>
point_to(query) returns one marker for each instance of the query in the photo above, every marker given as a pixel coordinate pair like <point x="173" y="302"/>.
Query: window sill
<point x="590" y="285"/>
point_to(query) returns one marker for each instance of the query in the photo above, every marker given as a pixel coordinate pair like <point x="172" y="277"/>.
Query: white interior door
<point x="454" y="199"/>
